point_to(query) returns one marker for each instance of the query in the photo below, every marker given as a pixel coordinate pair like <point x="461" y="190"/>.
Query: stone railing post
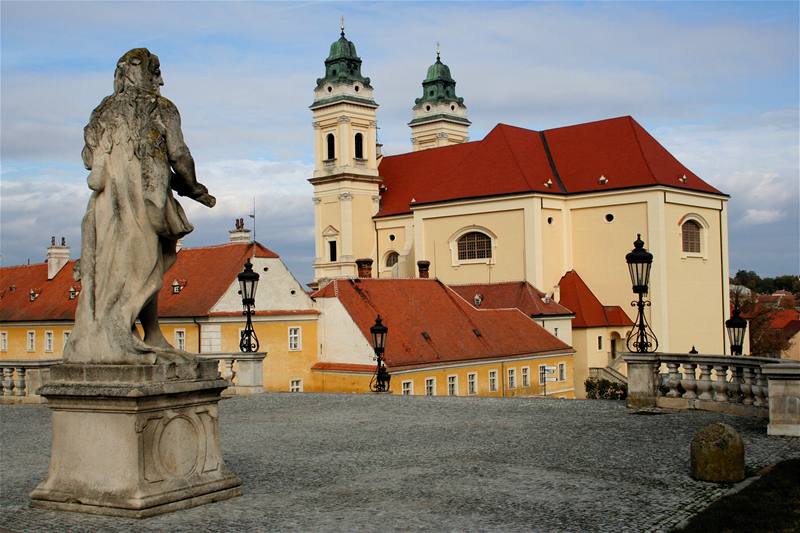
<point x="721" y="384"/>
<point x="8" y="381"/>
<point x="674" y="379"/>
<point x="245" y="371"/>
<point x="20" y="379"/>
<point x="19" y="383"/>
<point x="689" y="383"/>
<point x="704" y="384"/>
<point x="784" y="398"/>
<point x="642" y="379"/>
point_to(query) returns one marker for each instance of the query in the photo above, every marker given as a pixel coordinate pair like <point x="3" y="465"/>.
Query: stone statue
<point x="137" y="157"/>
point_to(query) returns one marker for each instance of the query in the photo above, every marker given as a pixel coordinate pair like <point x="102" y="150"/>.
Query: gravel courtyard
<point x="321" y="462"/>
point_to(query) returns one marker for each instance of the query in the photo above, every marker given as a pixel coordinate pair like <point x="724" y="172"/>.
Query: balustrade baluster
<point x="674" y="380"/>
<point x="19" y="384"/>
<point x="734" y="385"/>
<point x="721" y="385"/>
<point x="8" y="381"/>
<point x="689" y="382"/>
<point x="227" y="365"/>
<point x="704" y="385"/>
<point x="758" y="394"/>
<point x="764" y="385"/>
<point x="747" y="386"/>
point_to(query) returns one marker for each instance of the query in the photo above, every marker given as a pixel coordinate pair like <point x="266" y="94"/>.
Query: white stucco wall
<point x="274" y="291"/>
<point x="340" y="339"/>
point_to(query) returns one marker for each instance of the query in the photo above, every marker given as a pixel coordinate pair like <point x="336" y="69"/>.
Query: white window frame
<point x="298" y="346"/>
<point x="65" y="336"/>
<point x="453" y="242"/>
<point x="48" y="341"/>
<point x="452" y="385"/>
<point x="430" y="385"/>
<point x="492" y="380"/>
<point x="542" y="374"/>
<point x="704" y="227"/>
<point x="407" y="387"/>
<point x="472" y="383"/>
<point x="180" y="338"/>
<point x="562" y="371"/>
<point x="295" y="385"/>
<point x="525" y="376"/>
<point x="555" y="332"/>
<point x="30" y="341"/>
<point x="511" y="378"/>
<point x="3" y="341"/>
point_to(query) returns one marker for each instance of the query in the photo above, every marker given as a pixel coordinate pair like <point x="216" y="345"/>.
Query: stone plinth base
<point x="134" y="440"/>
<point x="784" y="399"/>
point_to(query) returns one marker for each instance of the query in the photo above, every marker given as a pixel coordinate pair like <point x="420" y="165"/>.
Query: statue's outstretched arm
<point x="184" y="179"/>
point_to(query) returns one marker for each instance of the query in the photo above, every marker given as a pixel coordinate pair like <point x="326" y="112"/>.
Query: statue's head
<point x="140" y="69"/>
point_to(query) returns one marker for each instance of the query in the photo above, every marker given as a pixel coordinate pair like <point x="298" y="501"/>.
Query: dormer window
<point x="73" y="292"/>
<point x="34" y="293"/>
<point x="178" y="285"/>
<point x="477" y="299"/>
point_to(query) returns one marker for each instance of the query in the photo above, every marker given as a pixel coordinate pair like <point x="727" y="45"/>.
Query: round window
<point x="609" y="217"/>
<point x="330" y="88"/>
<point x="356" y="88"/>
<point x="452" y="108"/>
<point x="391" y="237"/>
<point x="549" y="220"/>
<point x="427" y="108"/>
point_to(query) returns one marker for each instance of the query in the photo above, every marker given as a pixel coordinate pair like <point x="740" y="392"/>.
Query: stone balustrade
<point x="729" y="384"/>
<point x="20" y="379"/>
<point x="243" y="370"/>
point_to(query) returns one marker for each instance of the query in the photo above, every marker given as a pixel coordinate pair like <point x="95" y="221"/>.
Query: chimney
<point x="239" y="233"/>
<point x="178" y="245"/>
<point x="364" y="267"/>
<point x="424" y="266"/>
<point x="557" y="293"/>
<point x="57" y="257"/>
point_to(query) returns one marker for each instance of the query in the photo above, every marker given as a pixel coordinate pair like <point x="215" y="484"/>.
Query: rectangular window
<point x="408" y="388"/>
<point x="472" y="383"/>
<point x="3" y="341"/>
<point x="562" y="371"/>
<point x="599" y="342"/>
<point x="542" y="374"/>
<point x="48" y="341"/>
<point x="512" y="378"/>
<point x="452" y="386"/>
<point x="430" y="386"/>
<point x="493" y="380"/>
<point x="31" y="346"/>
<point x="555" y="332"/>
<point x="180" y="339"/>
<point x="296" y="385"/>
<point x="66" y="336"/>
<point x="294" y="339"/>
<point x="332" y="250"/>
<point x="526" y="376"/>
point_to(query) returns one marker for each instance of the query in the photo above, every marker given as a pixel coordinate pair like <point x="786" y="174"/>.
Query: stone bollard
<point x="717" y="454"/>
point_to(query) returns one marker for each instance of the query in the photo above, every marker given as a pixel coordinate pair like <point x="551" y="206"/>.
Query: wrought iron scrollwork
<point x="249" y="341"/>
<point x="641" y="338"/>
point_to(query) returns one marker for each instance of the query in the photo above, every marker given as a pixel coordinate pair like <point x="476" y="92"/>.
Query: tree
<point x="764" y="340"/>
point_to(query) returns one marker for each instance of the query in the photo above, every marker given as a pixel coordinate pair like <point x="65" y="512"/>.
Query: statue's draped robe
<point x="131" y="226"/>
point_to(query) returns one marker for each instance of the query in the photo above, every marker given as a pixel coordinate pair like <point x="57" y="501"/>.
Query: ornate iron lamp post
<point x="736" y="326"/>
<point x="641" y="338"/>
<point x="380" y="381"/>
<point x="248" y="281"/>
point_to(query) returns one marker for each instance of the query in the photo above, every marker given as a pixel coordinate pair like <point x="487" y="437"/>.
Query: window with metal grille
<point x="691" y="236"/>
<point x="474" y="245"/>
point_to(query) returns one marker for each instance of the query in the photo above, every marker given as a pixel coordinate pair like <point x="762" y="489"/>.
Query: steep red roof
<point x="513" y="294"/>
<point x="430" y="323"/>
<point x="589" y="312"/>
<point x="511" y="160"/>
<point x="344" y="367"/>
<point x="205" y="272"/>
<point x="781" y="318"/>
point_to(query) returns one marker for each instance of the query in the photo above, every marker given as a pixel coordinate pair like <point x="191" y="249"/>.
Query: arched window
<point x="690" y="231"/>
<point x="391" y="259"/>
<point x="474" y="245"/>
<point x="359" y="146"/>
<point x="331" y="148"/>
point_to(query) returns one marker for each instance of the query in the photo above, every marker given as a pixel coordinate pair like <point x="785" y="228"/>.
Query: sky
<point x="716" y="83"/>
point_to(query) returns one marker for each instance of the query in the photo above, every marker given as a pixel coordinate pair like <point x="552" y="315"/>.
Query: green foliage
<point x="603" y="389"/>
<point x="756" y="283"/>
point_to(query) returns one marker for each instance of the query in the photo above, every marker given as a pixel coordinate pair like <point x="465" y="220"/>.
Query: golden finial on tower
<point x="438" y="50"/>
<point x="341" y="24"/>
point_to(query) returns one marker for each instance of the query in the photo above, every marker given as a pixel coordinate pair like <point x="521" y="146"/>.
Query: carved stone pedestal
<point x="134" y="440"/>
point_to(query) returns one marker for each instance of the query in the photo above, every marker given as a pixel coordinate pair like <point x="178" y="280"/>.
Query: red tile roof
<point x="512" y="160"/>
<point x="413" y="307"/>
<point x="513" y="294"/>
<point x="344" y="367"/>
<point x="780" y="319"/>
<point x="207" y="272"/>
<point x="589" y="312"/>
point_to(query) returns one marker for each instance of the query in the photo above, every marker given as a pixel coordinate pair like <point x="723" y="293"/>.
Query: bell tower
<point x="346" y="182"/>
<point x="440" y="117"/>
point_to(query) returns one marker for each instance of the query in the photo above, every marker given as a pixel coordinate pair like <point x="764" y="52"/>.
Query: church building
<point x="519" y="205"/>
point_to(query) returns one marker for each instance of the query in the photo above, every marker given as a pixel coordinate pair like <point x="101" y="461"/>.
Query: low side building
<point x="598" y="332"/>
<point x="438" y="343"/>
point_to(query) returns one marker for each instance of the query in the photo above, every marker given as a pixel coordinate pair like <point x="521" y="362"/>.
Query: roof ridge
<point x="631" y="123"/>
<point x="552" y="161"/>
<point x="514" y="155"/>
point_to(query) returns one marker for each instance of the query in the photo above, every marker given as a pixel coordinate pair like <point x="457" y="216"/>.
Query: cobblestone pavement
<point x="321" y="462"/>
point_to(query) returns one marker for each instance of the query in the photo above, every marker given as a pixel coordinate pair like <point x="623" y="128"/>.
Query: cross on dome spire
<point x="438" y="50"/>
<point x="341" y="24"/>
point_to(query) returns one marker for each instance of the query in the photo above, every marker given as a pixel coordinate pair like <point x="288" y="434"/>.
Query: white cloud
<point x="762" y="216"/>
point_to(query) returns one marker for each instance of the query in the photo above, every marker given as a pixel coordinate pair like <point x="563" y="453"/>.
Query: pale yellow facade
<point x="597" y="348"/>
<point x="16" y="343"/>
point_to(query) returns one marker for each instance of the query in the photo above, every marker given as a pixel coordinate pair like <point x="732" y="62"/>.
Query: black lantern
<point x="641" y="338"/>
<point x="248" y="282"/>
<point x="380" y="381"/>
<point x="639" y="262"/>
<point x="736" y="326"/>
